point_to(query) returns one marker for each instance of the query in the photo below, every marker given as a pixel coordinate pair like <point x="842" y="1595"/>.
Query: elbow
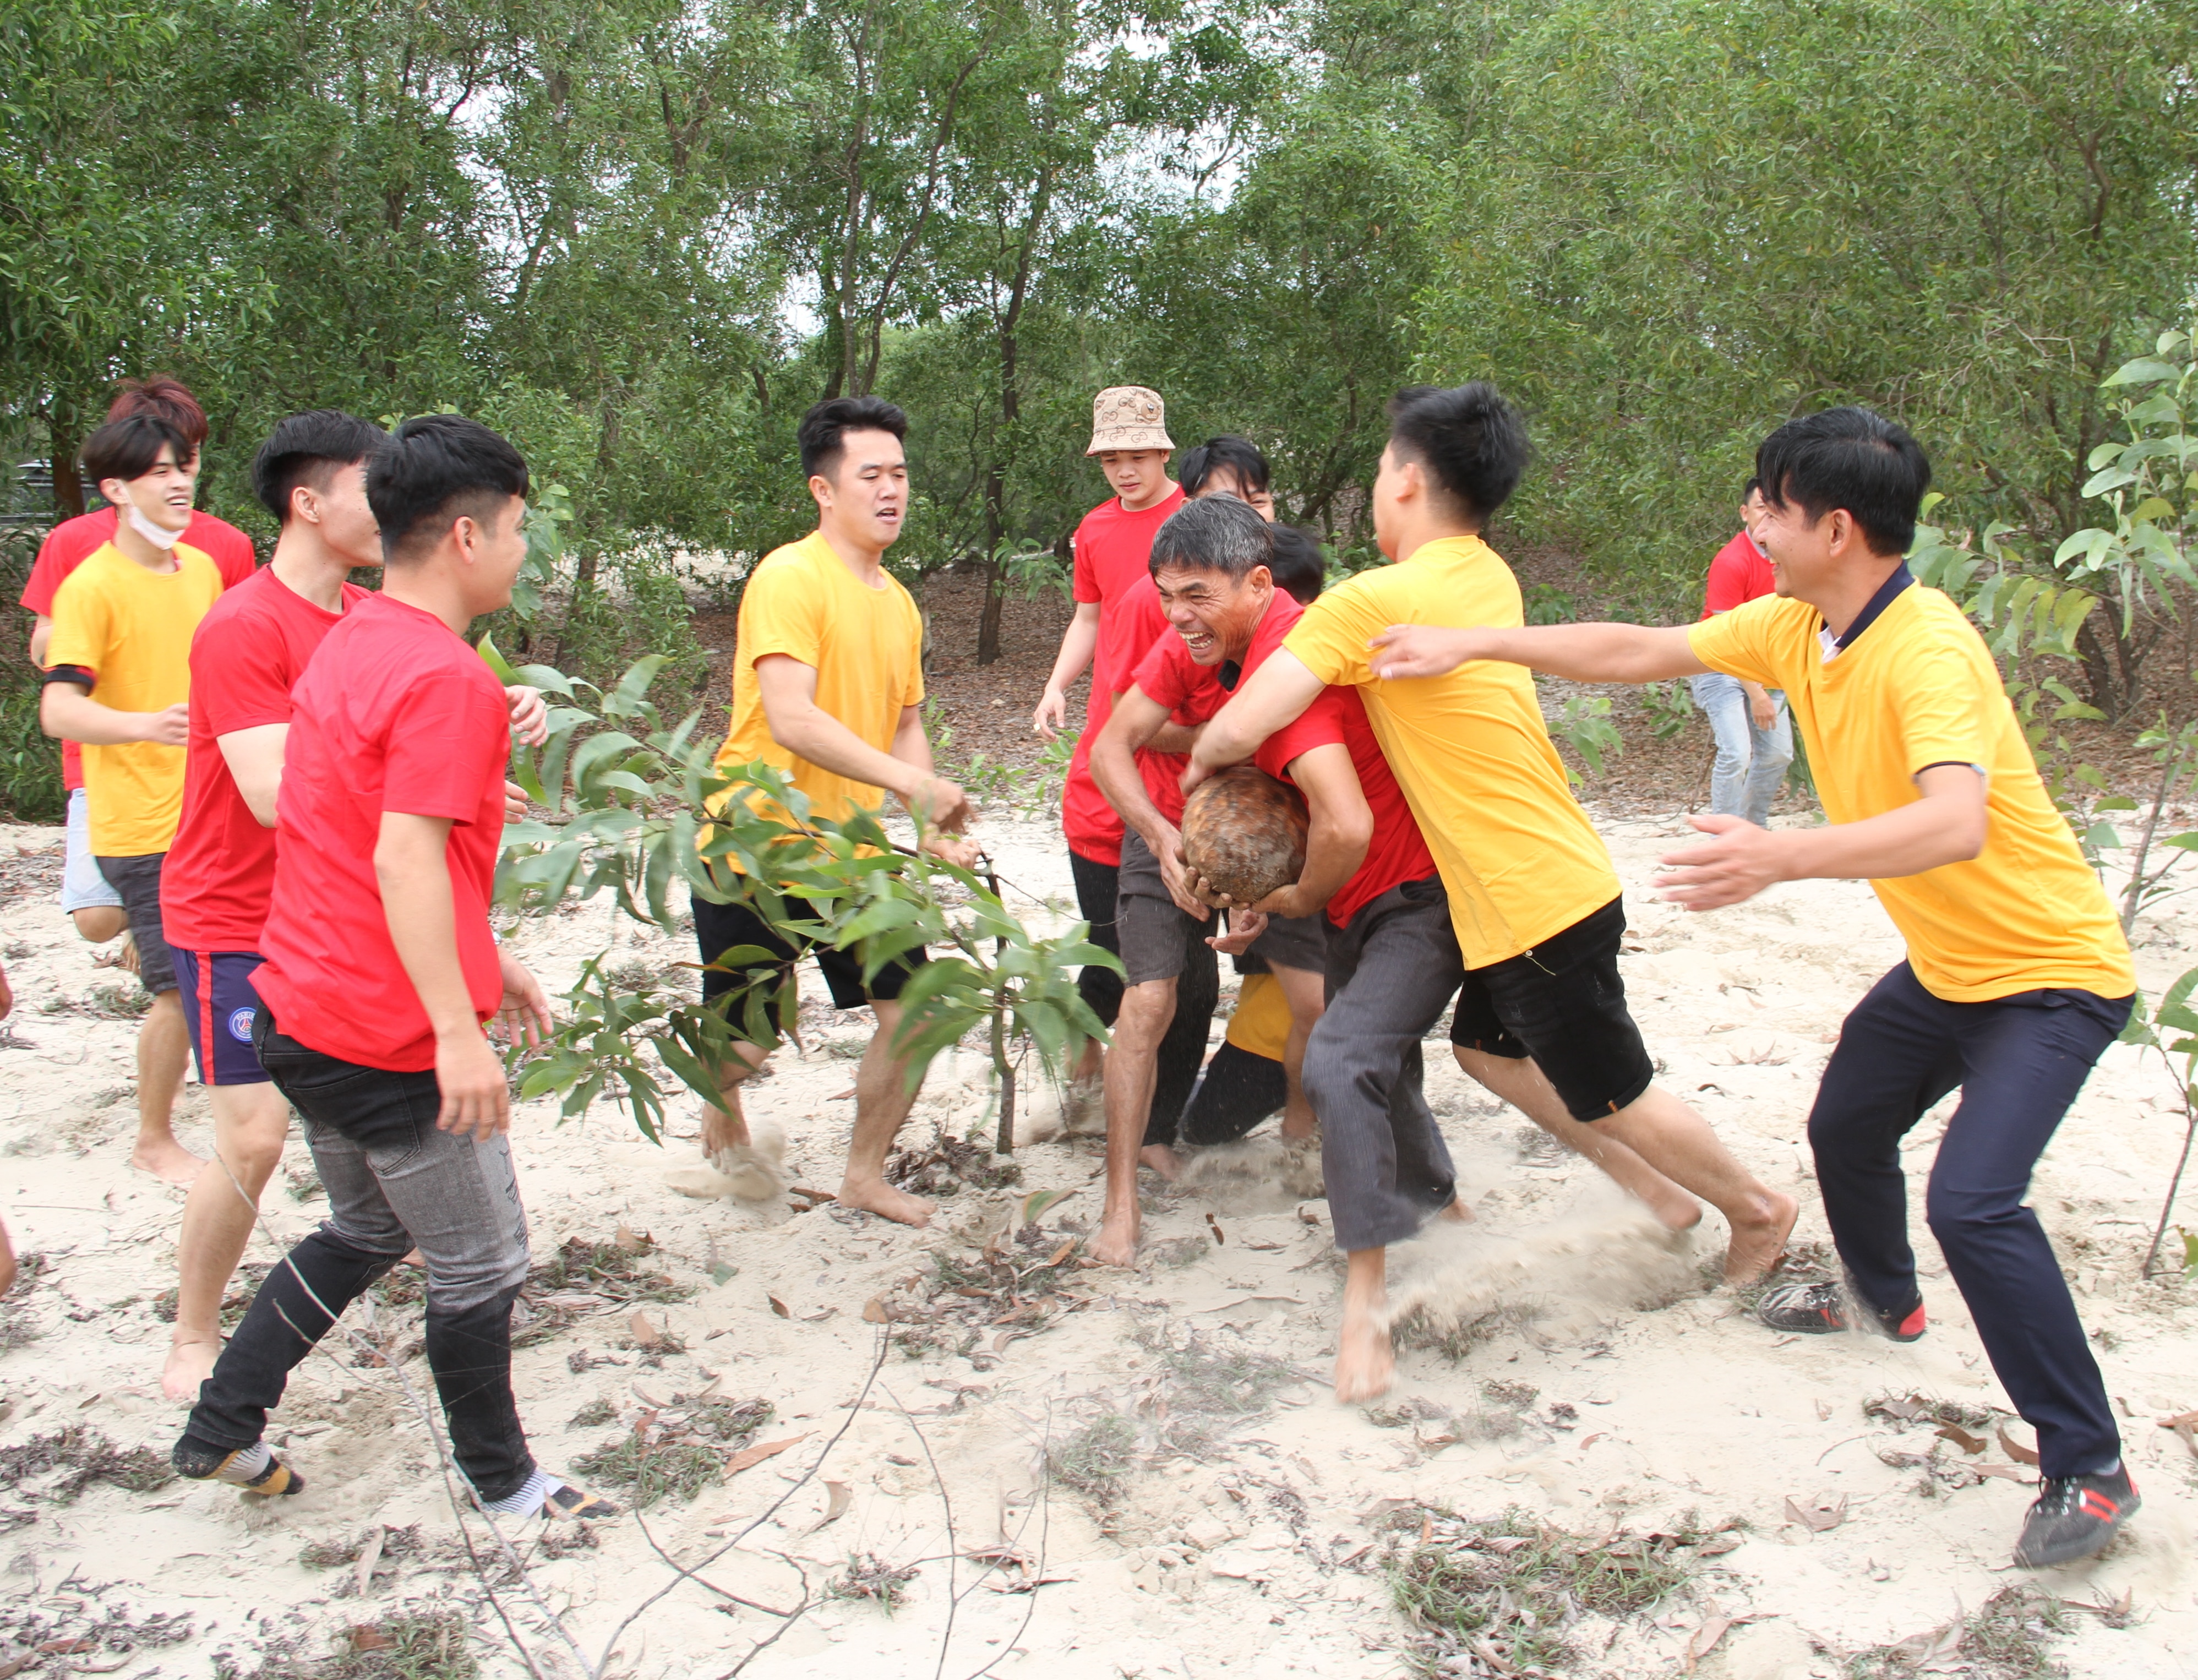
<point x="1969" y="842"/>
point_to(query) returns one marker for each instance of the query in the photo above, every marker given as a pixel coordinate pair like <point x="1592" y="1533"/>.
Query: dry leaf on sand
<point x="840" y="1495"/>
<point x="2014" y="1449"/>
<point x="778" y="1306"/>
<point x="1817" y="1516"/>
<point x="1960" y="1437"/>
<point x="1705" y="1638"/>
<point x="749" y="1457"/>
<point x="645" y="1334"/>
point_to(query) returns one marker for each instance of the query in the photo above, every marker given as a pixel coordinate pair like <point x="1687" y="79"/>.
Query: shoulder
<point x="1096" y="522"/>
<point x="74" y="540"/>
<point x="240" y="610"/>
<point x="228" y="548"/>
<point x="1926" y="623"/>
<point x="789" y="564"/>
<point x="1738" y="552"/>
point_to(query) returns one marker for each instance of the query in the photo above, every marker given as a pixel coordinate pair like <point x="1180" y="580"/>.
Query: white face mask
<point x="152" y="532"/>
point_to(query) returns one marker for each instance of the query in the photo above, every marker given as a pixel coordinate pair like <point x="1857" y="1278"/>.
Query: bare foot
<point x="1116" y="1245"/>
<point x="1365" y="1361"/>
<point x="877" y="1196"/>
<point x="167" y="1160"/>
<point x="1759" y="1244"/>
<point x="1457" y="1211"/>
<point x="722" y="1131"/>
<point x="190" y="1362"/>
<point x="1162" y="1160"/>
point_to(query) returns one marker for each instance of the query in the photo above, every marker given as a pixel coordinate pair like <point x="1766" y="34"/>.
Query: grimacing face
<point x="1214" y="613"/>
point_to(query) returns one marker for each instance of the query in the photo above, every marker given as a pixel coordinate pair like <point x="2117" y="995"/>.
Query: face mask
<point x="152" y="532"/>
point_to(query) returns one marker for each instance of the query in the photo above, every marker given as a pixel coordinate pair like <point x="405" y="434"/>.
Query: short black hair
<point x="1217" y="533"/>
<point x="1239" y="457"/>
<point x="1749" y="489"/>
<point x="1471" y="441"/>
<point x="126" y="449"/>
<point x="824" y="429"/>
<point x="433" y="470"/>
<point x="308" y="449"/>
<point x="1298" y="566"/>
<point x="1850" y="459"/>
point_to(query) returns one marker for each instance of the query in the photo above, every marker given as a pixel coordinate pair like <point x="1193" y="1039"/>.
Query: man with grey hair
<point x="1212" y="568"/>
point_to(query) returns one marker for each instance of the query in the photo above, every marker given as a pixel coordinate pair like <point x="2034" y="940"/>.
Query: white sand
<point x="1223" y="1564"/>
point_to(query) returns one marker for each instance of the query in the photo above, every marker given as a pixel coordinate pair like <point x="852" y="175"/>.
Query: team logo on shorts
<point x="240" y="1026"/>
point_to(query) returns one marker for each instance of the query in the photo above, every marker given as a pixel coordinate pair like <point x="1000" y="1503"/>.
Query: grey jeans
<point x="1391" y="972"/>
<point x="393" y="1182"/>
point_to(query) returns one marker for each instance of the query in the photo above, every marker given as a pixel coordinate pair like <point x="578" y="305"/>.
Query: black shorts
<point x="719" y="927"/>
<point x="1563" y="1004"/>
<point x="137" y="882"/>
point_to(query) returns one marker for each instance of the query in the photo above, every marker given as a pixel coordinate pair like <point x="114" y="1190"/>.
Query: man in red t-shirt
<point x="381" y="970"/>
<point x="1754" y="735"/>
<point x="95" y="907"/>
<point x="1211" y="565"/>
<point x="1118" y="618"/>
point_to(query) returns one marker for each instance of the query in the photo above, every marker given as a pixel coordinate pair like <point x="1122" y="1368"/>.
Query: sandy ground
<point x="1606" y="1387"/>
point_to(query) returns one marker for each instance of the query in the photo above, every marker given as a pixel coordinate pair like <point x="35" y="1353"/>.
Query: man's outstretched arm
<point x="1276" y="694"/>
<point x="1583" y="653"/>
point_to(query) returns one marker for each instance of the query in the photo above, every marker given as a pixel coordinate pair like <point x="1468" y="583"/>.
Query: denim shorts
<point x="83" y="886"/>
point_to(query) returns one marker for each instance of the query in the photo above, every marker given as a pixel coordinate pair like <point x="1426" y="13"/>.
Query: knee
<point x="477" y="1280"/>
<point x="1148" y="1006"/>
<point x="1956" y="1210"/>
<point x="100" y="923"/>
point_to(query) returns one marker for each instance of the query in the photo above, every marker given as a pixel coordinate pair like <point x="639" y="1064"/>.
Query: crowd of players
<point x="287" y="794"/>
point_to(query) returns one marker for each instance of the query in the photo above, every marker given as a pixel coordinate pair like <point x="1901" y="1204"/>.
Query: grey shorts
<point x="1155" y="933"/>
<point x="137" y="880"/>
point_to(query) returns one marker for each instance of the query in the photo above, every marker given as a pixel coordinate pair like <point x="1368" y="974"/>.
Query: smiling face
<point x="864" y="499"/>
<point x="1222" y="481"/>
<point x="162" y="493"/>
<point x="1214" y="612"/>
<point x="1808" y="557"/>
<point x="1139" y="476"/>
<point x="1752" y="510"/>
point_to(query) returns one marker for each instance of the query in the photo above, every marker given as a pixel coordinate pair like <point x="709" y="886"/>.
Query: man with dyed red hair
<point x="86" y="896"/>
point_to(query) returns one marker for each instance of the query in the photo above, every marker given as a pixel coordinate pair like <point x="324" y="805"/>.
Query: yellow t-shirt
<point x="1519" y="858"/>
<point x="132" y="628"/>
<point x="1260" y="1023"/>
<point x="866" y="646"/>
<point x="1917" y="689"/>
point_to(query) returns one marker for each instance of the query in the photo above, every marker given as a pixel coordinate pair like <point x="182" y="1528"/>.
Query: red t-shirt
<point x="1113" y="568"/>
<point x="1739" y="573"/>
<point x="394" y="713"/>
<point x="73" y="541"/>
<point x="250" y="650"/>
<point x="1397" y="852"/>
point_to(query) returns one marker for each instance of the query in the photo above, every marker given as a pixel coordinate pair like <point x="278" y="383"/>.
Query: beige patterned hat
<point x="1129" y="416"/>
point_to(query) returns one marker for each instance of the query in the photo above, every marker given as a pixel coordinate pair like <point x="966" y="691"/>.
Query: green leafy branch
<point x="634" y="806"/>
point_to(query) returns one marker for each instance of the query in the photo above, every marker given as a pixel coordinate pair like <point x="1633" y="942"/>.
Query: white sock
<point x="244" y="1464"/>
<point x="528" y="1499"/>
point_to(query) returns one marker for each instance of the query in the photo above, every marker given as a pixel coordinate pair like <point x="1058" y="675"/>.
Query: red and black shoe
<point x="1821" y="1309"/>
<point x="2075" y="1516"/>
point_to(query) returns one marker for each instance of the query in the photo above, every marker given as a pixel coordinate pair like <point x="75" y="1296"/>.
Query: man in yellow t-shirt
<point x="2017" y="974"/>
<point x="1530" y="936"/>
<point x="828" y="676"/>
<point x="119" y="680"/>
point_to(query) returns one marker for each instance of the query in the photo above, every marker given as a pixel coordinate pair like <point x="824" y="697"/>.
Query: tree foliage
<point x="642" y="237"/>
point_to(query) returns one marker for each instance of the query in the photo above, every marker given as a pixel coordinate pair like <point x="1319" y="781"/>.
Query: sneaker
<point x="1820" y="1309"/>
<point x="252" y="1469"/>
<point x="2075" y="1516"/>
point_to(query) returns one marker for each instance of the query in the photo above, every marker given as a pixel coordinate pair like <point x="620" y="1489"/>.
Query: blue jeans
<point x="1751" y="762"/>
<point x="2018" y="1063"/>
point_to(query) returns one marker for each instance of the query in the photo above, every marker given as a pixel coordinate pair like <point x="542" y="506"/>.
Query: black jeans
<point x="2018" y="1063"/>
<point x="393" y="1182"/>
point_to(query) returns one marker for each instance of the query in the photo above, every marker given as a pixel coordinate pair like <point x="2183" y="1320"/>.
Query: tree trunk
<point x="68" y="483"/>
<point x="1011" y="414"/>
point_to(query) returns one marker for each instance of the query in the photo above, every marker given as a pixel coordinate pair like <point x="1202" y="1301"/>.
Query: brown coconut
<point x="1245" y="832"/>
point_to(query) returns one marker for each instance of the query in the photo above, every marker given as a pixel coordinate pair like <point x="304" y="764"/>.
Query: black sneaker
<point x="2074" y="1517"/>
<point x="1820" y="1309"/>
